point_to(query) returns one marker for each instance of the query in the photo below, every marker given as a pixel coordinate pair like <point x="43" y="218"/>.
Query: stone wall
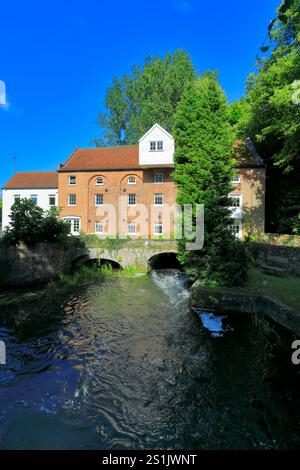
<point x="275" y="259"/>
<point x="22" y="265"/>
<point x="229" y="301"/>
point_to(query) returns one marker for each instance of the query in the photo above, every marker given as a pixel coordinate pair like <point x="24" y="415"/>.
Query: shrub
<point x="30" y="224"/>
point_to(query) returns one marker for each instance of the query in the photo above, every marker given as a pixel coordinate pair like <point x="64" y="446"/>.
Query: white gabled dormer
<point x="156" y="148"/>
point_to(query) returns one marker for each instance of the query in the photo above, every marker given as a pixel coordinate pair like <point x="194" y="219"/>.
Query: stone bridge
<point x="142" y="254"/>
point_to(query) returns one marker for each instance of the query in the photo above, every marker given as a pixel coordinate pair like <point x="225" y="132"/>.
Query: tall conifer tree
<point x="203" y="171"/>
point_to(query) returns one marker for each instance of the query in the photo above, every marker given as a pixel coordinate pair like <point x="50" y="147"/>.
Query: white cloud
<point x="2" y="93"/>
<point x="184" y="6"/>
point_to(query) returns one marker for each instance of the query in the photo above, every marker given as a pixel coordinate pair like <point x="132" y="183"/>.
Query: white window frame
<point x="162" y="178"/>
<point x="160" y="146"/>
<point x="69" y="200"/>
<point x="236" y="179"/>
<point x="159" y="195"/>
<point x="156" y="146"/>
<point x="155" y="226"/>
<point x="35" y="196"/>
<point x="101" y="204"/>
<point x="17" y="197"/>
<point x="72" y="220"/>
<point x="49" y="197"/>
<point x="102" y="229"/>
<point x="237" y="197"/>
<point x="129" y="203"/>
<point x="236" y="223"/>
<point x="133" y="178"/>
<point x="128" y="229"/>
<point x="99" y="178"/>
<point x="69" y="180"/>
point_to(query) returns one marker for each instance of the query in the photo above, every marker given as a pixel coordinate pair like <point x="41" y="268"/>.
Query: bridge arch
<point x="164" y="260"/>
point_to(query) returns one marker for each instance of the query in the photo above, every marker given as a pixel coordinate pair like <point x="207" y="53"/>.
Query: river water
<point x="125" y="364"/>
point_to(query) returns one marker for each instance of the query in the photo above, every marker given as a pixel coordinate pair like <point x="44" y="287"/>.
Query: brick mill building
<point x="111" y="190"/>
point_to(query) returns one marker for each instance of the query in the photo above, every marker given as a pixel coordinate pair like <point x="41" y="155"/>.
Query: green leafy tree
<point x="148" y="95"/>
<point x="203" y="170"/>
<point x="30" y="224"/>
<point x="270" y="114"/>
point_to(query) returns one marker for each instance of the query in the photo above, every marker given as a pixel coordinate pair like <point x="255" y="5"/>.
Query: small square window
<point x="72" y="180"/>
<point x="235" y="201"/>
<point x="153" y="146"/>
<point x="236" y="179"/>
<point x="99" y="181"/>
<point x="158" y="199"/>
<point x="17" y="197"/>
<point x="99" y="200"/>
<point x="158" y="229"/>
<point x="131" y="180"/>
<point x="160" y="145"/>
<point x="52" y="200"/>
<point x="131" y="199"/>
<point x="158" y="178"/>
<point x="99" y="227"/>
<point x="131" y="227"/>
<point x="34" y="198"/>
<point x="71" y="199"/>
<point x="235" y="229"/>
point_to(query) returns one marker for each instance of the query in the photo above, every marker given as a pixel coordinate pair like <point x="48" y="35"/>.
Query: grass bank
<point x="285" y="290"/>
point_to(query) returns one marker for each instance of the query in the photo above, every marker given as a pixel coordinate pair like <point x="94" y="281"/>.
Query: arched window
<point x="99" y="181"/>
<point x="131" y="180"/>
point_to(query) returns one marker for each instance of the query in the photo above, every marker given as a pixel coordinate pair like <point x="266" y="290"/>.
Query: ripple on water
<point x="125" y="364"/>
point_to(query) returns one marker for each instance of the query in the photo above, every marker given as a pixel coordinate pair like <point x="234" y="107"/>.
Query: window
<point x="131" y="199"/>
<point x="52" y="200"/>
<point x="158" y="229"/>
<point x="99" y="227"/>
<point x="236" y="179"/>
<point x="34" y="198"/>
<point x="131" y="180"/>
<point x="17" y="197"/>
<point x="99" y="181"/>
<point x="74" y="223"/>
<point x="131" y="227"/>
<point x="235" y="201"/>
<point x="158" y="199"/>
<point x="158" y="178"/>
<point x="99" y="200"/>
<point x="72" y="180"/>
<point x="235" y="229"/>
<point x="156" y="145"/>
<point x="71" y="199"/>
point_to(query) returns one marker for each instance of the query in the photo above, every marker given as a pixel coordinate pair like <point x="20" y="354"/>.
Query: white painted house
<point x="40" y="186"/>
<point x="156" y="148"/>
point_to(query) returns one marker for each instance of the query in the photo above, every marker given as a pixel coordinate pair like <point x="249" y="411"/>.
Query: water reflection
<point x="125" y="364"/>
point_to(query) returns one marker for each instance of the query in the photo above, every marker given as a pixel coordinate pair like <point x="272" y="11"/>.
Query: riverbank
<point x="263" y="294"/>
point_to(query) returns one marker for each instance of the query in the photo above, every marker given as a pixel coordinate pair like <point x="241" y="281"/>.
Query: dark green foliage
<point x="30" y="225"/>
<point x="203" y="170"/>
<point x="270" y="115"/>
<point x="148" y="95"/>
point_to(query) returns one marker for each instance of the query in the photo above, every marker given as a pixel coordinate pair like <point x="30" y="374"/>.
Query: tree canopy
<point x="149" y="94"/>
<point x="203" y="171"/>
<point x="30" y="224"/>
<point x="270" y="115"/>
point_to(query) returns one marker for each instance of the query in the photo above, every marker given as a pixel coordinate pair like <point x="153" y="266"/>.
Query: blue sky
<point x="57" y="59"/>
